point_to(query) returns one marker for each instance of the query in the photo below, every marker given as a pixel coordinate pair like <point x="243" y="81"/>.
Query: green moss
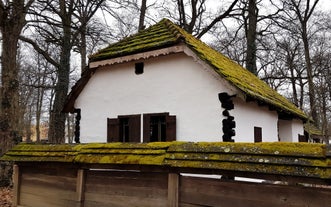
<point x="240" y="158"/>
<point x="296" y="159"/>
<point x="315" y="172"/>
<point x="312" y="129"/>
<point x="121" y="159"/>
<point x="43" y="147"/>
<point x="266" y="148"/>
<point x="41" y="152"/>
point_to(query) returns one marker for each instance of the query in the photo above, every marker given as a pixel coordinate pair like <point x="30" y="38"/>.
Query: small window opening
<point x="139" y="68"/>
<point x="158" y="129"/>
<point x="257" y="134"/>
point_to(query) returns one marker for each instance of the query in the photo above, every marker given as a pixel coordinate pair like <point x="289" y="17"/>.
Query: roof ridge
<point x="173" y="28"/>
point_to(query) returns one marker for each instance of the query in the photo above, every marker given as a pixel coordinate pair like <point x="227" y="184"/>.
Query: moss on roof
<point x="41" y="153"/>
<point x="165" y="33"/>
<point x="293" y="159"/>
<point x="313" y="130"/>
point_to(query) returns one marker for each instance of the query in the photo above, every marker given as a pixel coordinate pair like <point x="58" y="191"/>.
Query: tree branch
<point x="217" y="19"/>
<point x="40" y="51"/>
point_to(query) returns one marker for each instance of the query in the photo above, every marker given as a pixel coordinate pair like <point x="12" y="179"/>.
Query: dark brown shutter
<point x="171" y="128"/>
<point x="134" y="128"/>
<point x="146" y="125"/>
<point x="257" y="134"/>
<point x="113" y="130"/>
<point x="302" y="138"/>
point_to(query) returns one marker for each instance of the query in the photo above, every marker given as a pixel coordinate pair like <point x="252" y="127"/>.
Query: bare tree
<point x="85" y="10"/>
<point x="12" y="21"/>
<point x="251" y="36"/>
<point x="303" y="12"/>
<point x="142" y="15"/>
<point x="59" y="24"/>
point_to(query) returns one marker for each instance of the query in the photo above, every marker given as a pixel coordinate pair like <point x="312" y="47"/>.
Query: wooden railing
<point x="171" y="174"/>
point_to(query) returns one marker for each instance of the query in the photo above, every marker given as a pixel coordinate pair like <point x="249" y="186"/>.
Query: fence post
<point x="80" y="186"/>
<point x="17" y="183"/>
<point x="173" y="185"/>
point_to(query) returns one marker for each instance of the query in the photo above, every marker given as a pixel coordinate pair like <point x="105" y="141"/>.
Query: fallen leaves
<point x="6" y="197"/>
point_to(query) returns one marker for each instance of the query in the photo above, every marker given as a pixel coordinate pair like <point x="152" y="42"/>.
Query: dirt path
<point x="6" y="197"/>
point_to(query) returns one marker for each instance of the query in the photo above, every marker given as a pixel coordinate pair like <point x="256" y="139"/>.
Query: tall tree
<point x="251" y="36"/>
<point x="85" y="10"/>
<point x="59" y="24"/>
<point x="303" y="12"/>
<point x="142" y="15"/>
<point x="12" y="21"/>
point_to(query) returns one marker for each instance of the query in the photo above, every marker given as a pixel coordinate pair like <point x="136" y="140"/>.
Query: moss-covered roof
<point x="290" y="159"/>
<point x="311" y="129"/>
<point x="41" y="153"/>
<point x="165" y="33"/>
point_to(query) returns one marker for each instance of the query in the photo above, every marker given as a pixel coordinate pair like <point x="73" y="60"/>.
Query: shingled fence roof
<point x="166" y="34"/>
<point x="281" y="159"/>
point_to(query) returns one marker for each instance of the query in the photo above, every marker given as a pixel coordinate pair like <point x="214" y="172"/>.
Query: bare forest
<point x="45" y="46"/>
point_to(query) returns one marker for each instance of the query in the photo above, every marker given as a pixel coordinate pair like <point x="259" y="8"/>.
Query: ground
<point x="6" y="197"/>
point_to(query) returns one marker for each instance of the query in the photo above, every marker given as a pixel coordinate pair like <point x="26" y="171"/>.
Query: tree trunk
<point x="12" y="21"/>
<point x="309" y="68"/>
<point x="56" y="132"/>
<point x="251" y="37"/>
<point x="143" y="8"/>
<point x="83" y="49"/>
<point x="9" y="129"/>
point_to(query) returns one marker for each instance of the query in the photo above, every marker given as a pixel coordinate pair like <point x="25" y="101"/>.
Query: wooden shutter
<point x="302" y="138"/>
<point x="257" y="134"/>
<point x="147" y="126"/>
<point x="113" y="130"/>
<point x="134" y="128"/>
<point x="171" y="128"/>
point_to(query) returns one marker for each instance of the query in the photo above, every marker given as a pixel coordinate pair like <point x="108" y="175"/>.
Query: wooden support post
<point x="80" y="186"/>
<point x="173" y="185"/>
<point x="17" y="183"/>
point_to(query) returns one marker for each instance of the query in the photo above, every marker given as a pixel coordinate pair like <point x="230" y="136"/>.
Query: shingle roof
<point x="166" y="33"/>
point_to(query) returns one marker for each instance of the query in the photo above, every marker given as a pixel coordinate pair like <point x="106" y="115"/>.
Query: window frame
<point x="170" y="122"/>
<point x="115" y="128"/>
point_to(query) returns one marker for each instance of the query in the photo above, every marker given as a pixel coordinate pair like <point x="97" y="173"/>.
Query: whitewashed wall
<point x="297" y="128"/>
<point x="290" y="129"/>
<point x="285" y="130"/>
<point x="249" y="115"/>
<point x="175" y="84"/>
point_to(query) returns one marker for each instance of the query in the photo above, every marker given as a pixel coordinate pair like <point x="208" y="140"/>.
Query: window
<point x="124" y="129"/>
<point x="257" y="134"/>
<point x="159" y="127"/>
<point x="139" y="68"/>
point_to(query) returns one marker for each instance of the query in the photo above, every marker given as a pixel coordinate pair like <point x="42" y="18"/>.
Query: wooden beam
<point x="17" y="183"/>
<point x="173" y="185"/>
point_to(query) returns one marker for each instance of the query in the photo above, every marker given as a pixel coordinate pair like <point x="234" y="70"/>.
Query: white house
<point x="162" y="84"/>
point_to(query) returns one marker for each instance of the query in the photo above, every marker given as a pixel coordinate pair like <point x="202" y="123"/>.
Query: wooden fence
<point x="171" y="174"/>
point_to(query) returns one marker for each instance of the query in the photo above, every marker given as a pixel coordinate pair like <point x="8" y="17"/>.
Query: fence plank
<point x="173" y="184"/>
<point x="80" y="185"/>
<point x="213" y="192"/>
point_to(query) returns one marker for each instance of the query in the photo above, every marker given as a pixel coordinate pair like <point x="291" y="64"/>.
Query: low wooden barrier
<point x="171" y="174"/>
